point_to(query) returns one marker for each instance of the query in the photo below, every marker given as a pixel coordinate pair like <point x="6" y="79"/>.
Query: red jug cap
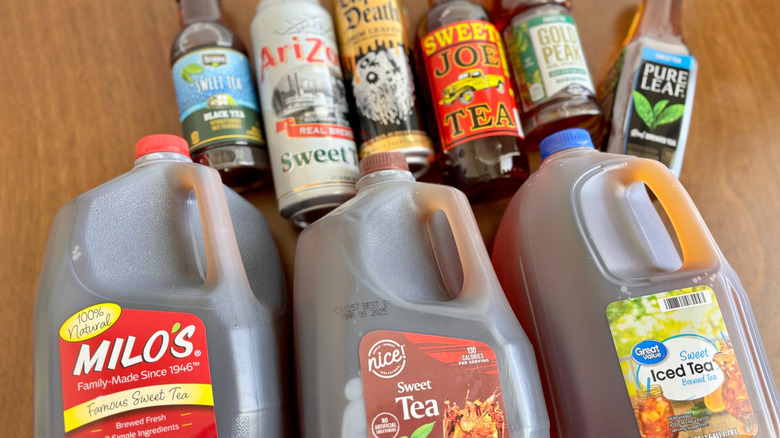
<point x="383" y="161"/>
<point x="161" y="143"/>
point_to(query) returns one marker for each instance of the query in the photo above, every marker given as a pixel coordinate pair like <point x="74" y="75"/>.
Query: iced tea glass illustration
<point x="652" y="411"/>
<point x="733" y="390"/>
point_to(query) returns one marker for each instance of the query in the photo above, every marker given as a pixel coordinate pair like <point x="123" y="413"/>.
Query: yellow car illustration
<point x="467" y="83"/>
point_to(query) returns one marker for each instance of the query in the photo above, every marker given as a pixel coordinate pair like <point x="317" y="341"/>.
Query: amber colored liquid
<point x="734" y="393"/>
<point x="487" y="168"/>
<point x="652" y="412"/>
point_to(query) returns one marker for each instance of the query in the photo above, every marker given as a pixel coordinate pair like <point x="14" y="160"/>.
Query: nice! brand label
<point x="127" y="371"/>
<point x="469" y="83"/>
<point x="419" y="386"/>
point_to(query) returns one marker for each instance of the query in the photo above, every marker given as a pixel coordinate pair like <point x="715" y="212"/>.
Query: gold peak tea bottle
<point x="217" y="100"/>
<point x="471" y="99"/>
<point x="556" y="89"/>
<point x="376" y="56"/>
<point x="648" y="95"/>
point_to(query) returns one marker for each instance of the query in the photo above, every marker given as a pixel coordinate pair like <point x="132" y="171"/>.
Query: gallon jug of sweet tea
<point x="402" y="329"/>
<point x="633" y="338"/>
<point x="160" y="309"/>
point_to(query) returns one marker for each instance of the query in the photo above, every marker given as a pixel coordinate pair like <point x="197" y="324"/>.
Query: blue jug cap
<point x="568" y="138"/>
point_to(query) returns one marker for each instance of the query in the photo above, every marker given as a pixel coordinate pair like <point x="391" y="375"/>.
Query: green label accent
<point x="209" y="126"/>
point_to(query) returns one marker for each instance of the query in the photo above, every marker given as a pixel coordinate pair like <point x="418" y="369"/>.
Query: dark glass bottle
<point x="471" y="100"/>
<point x="217" y="100"/>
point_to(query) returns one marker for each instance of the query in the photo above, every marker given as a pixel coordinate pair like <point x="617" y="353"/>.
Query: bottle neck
<point x="661" y="19"/>
<point x="157" y="157"/>
<point x="199" y="11"/>
<point x="383" y="176"/>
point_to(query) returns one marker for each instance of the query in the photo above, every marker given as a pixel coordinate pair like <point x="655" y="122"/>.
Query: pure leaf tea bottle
<point x="648" y="95"/>
<point x="471" y="98"/>
<point x="556" y="89"/>
<point x="217" y="100"/>
<point x="312" y="147"/>
<point x="376" y="56"/>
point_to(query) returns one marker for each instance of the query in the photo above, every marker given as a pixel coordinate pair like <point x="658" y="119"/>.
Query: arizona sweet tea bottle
<point x="312" y="147"/>
<point x="647" y="96"/>
<point x="401" y="328"/>
<point x="632" y="339"/>
<point x="471" y="100"/>
<point x="376" y="55"/>
<point x="160" y="309"/>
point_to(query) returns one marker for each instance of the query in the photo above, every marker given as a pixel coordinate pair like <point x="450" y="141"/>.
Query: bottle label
<point x="547" y="55"/>
<point x="660" y="105"/>
<point x="375" y="51"/>
<point x="678" y="341"/>
<point x="421" y="386"/>
<point x="127" y="371"/>
<point x="217" y="99"/>
<point x="303" y="97"/>
<point x="469" y="83"/>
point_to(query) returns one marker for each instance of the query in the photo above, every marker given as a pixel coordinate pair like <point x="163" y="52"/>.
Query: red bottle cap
<point x="383" y="161"/>
<point x="161" y="143"/>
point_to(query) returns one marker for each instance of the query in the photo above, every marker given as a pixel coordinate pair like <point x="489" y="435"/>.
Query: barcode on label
<point x="683" y="301"/>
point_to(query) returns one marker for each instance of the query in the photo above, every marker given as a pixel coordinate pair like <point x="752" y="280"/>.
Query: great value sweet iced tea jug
<point x="631" y="339"/>
<point x="159" y="309"/>
<point x="401" y="326"/>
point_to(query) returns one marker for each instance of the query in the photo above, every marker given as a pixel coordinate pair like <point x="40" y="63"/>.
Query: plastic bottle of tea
<point x="471" y="100"/>
<point x="217" y="101"/>
<point x="629" y="335"/>
<point x="556" y="89"/>
<point x="161" y="309"/>
<point x="647" y="96"/>
<point x="401" y="326"/>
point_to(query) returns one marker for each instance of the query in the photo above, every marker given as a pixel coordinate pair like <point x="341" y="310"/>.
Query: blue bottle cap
<point x="568" y="138"/>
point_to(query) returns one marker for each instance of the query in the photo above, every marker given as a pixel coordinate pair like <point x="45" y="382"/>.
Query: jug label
<point x="660" y="105"/>
<point x="417" y="385"/>
<point x="548" y="58"/>
<point x="217" y="99"/>
<point x="469" y="83"/>
<point x="679" y="365"/>
<point x="128" y="372"/>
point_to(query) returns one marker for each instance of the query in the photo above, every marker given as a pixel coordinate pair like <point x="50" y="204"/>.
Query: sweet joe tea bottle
<point x="217" y="100"/>
<point x="471" y="100"/>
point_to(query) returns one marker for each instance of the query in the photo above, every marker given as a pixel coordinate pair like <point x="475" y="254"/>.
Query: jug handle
<point x="217" y="226"/>
<point x="698" y="248"/>
<point x="471" y="249"/>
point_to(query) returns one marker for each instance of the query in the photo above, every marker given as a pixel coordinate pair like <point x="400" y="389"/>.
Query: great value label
<point x="679" y="366"/>
<point x="137" y="372"/>
<point x="469" y="83"/>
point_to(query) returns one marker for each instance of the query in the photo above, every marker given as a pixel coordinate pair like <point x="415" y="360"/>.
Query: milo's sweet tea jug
<point x="401" y="326"/>
<point x="160" y="308"/>
<point x="633" y="338"/>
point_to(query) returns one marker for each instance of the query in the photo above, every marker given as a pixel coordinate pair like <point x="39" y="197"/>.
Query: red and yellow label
<point x="128" y="372"/>
<point x="469" y="82"/>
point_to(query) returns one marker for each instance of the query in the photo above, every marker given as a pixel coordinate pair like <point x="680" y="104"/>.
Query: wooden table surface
<point x="82" y="80"/>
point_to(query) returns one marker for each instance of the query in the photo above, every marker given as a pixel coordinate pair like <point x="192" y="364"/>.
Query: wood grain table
<point x="82" y="80"/>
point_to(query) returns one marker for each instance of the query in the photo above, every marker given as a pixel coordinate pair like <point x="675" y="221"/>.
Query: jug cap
<point x="568" y="138"/>
<point x="383" y="161"/>
<point x="161" y="143"/>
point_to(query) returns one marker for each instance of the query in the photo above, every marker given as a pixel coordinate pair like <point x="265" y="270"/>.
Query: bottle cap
<point x="383" y="161"/>
<point x="568" y="138"/>
<point x="161" y="143"/>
